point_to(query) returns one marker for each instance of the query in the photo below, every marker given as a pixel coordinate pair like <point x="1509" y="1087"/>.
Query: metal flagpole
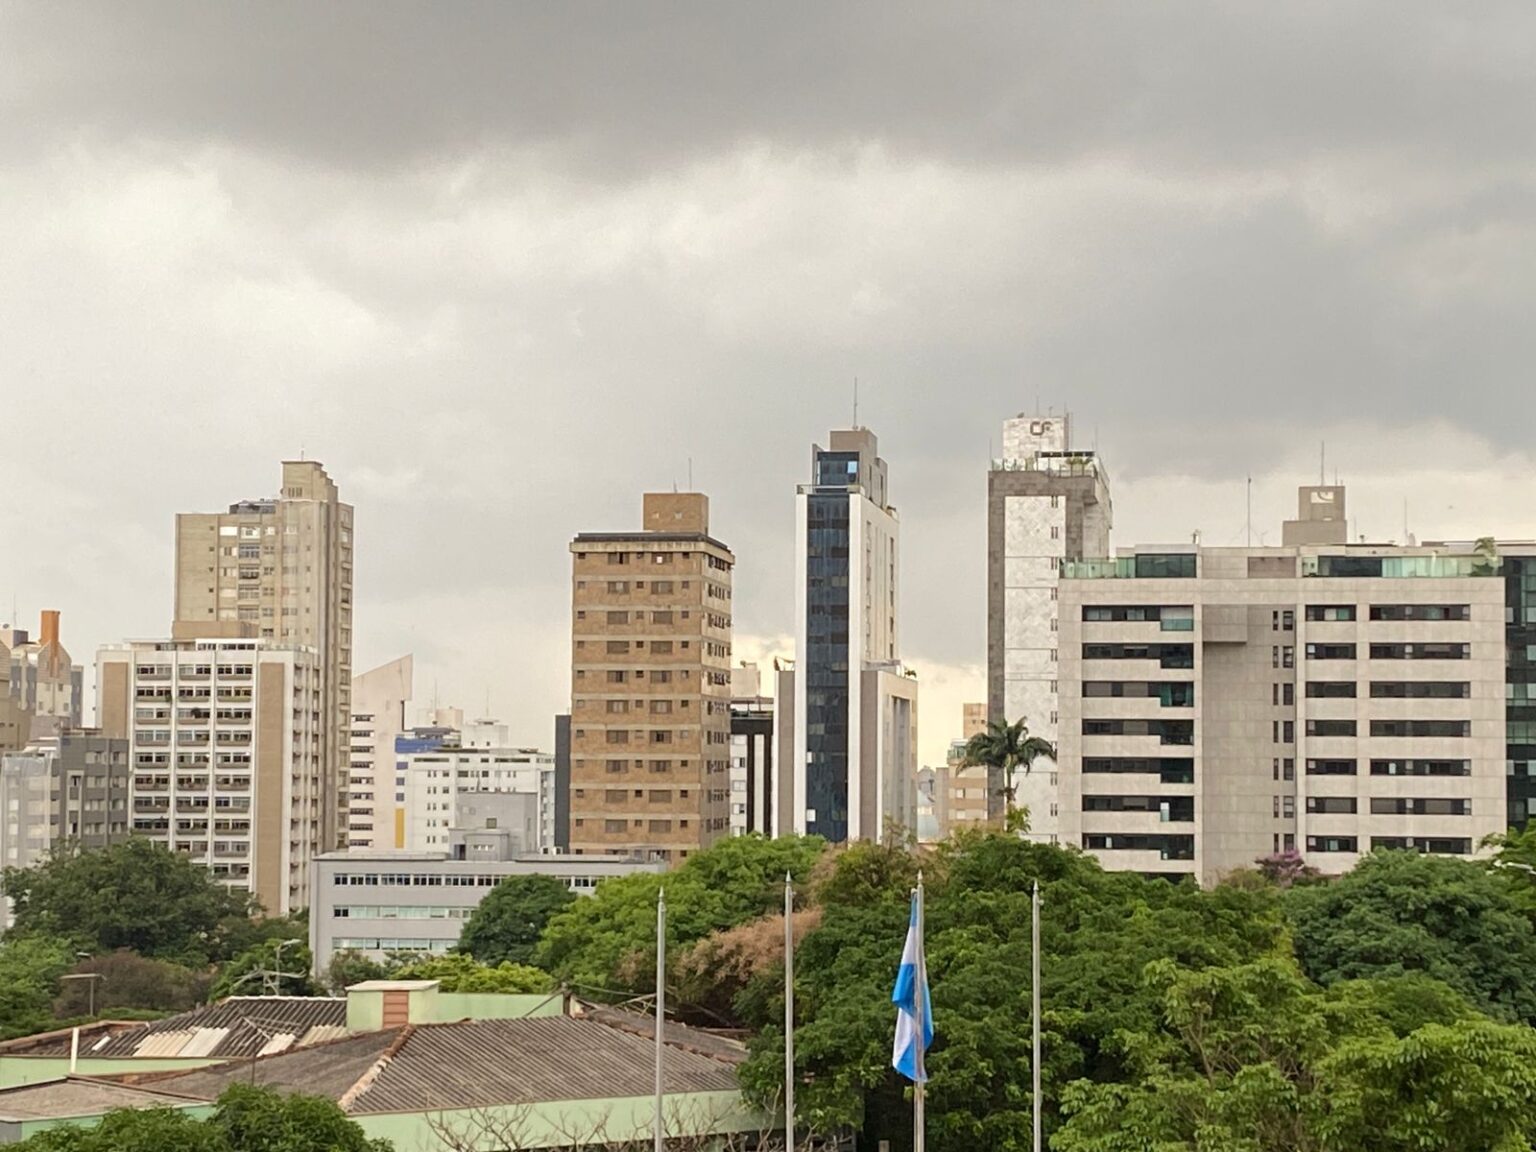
<point x="789" y="1014"/>
<point x="659" y="1123"/>
<point x="1034" y="981"/>
<point x="918" y="1000"/>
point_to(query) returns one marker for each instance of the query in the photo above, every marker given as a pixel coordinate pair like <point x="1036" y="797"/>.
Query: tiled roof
<point x="78" y="1096"/>
<point x="479" y="1063"/>
<point x="237" y="1028"/>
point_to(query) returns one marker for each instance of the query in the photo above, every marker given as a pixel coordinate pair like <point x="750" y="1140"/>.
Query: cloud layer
<point x="503" y="267"/>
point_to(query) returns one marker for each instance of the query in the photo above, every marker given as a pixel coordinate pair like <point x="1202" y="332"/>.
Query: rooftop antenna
<point x="690" y="473"/>
<point x="1250" y="511"/>
<point x="855" y="401"/>
<point x="1322" y="461"/>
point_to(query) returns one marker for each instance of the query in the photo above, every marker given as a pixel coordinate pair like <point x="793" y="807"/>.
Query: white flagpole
<point x="1034" y="980"/>
<point x="921" y="1063"/>
<point x="659" y="1124"/>
<point x="789" y="1014"/>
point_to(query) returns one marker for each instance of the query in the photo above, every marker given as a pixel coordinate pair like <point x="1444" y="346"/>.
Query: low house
<point x="435" y="1072"/>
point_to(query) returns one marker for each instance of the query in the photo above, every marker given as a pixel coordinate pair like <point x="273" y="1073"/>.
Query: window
<point x="1421" y="728"/>
<point x="1333" y="844"/>
<point x="1331" y="652"/>
<point x="618" y="617"/>
<point x="1330" y="768"/>
<point x="1420" y="689"/>
<point x="618" y="587"/>
<point x="1421" y="611"/>
<point x="617" y="677"/>
<point x="1421" y="767"/>
<point x="615" y="826"/>
<point x="663" y="647"/>
<point x="1421" y="651"/>
<point x="1330" y="728"/>
<point x="1330" y="613"/>
<point x="1330" y="689"/>
<point x="616" y="706"/>
<point x="615" y="647"/>
<point x="1439" y="845"/>
<point x="1338" y="805"/>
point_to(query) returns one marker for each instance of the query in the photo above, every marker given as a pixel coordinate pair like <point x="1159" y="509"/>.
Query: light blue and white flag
<point x="906" y="1056"/>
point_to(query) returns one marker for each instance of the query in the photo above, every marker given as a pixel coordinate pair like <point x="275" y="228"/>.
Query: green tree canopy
<point x="136" y="895"/>
<point x="273" y="967"/>
<point x="30" y="968"/>
<point x="245" y="1119"/>
<point x="460" y="973"/>
<point x="607" y="941"/>
<point x="1401" y="912"/>
<point x="509" y="921"/>
<point x="133" y="983"/>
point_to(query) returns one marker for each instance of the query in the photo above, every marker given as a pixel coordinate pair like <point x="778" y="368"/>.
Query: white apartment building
<point x="752" y="782"/>
<point x="1047" y="501"/>
<point x="1219" y="705"/>
<point x="225" y="743"/>
<point x="440" y="783"/>
<point x="375" y="807"/>
<point x="280" y="569"/>
<point x="847" y="710"/>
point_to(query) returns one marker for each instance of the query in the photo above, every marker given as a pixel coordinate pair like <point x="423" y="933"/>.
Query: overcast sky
<point x="502" y="267"/>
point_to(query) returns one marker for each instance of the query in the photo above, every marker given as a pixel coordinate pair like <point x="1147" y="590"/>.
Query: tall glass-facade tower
<point x="853" y="707"/>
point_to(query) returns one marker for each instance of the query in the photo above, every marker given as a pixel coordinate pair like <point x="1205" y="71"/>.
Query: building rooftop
<point x="484" y="1063"/>
<point x="237" y="1028"/>
<point x="76" y="1096"/>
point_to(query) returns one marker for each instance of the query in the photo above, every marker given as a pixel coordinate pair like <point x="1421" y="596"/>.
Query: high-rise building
<point x="848" y="708"/>
<point x="651" y="684"/>
<point x="44" y="680"/>
<point x="225" y="738"/>
<point x="752" y="780"/>
<point x="1219" y="705"/>
<point x="448" y="771"/>
<point x="375" y="806"/>
<point x="72" y="788"/>
<point x="15" y="721"/>
<point x="961" y="799"/>
<point x="283" y="566"/>
<point x="1047" y="501"/>
<point x="563" y="782"/>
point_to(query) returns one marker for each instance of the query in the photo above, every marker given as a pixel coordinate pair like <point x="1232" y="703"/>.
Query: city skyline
<point x="439" y="298"/>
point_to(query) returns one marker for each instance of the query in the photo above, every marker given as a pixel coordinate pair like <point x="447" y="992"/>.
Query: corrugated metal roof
<point x="481" y="1063"/>
<point x="236" y="1028"/>
<point x="77" y="1096"/>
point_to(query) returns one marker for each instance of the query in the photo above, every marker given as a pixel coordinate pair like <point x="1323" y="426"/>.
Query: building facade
<point x="752" y="745"/>
<point x="847" y="576"/>
<point x="44" y="681"/>
<point x="225" y="739"/>
<point x="382" y="902"/>
<point x="1047" y="501"/>
<point x="961" y="799"/>
<point x="70" y="789"/>
<point x="15" y="721"/>
<point x="444" y="769"/>
<point x="282" y="566"/>
<point x="375" y="806"/>
<point x="650" y="685"/>
<point x="1220" y="705"/>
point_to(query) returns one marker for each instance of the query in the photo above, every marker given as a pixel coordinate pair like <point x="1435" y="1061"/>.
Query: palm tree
<point x="1002" y="748"/>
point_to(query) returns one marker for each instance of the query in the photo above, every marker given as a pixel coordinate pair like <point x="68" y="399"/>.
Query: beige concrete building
<point x="44" y="680"/>
<point x="282" y="565"/>
<point x="960" y="791"/>
<point x="225" y="738"/>
<point x="375" y="803"/>
<point x="651" y="685"/>
<point x="1219" y="705"/>
<point x="1047" y="501"/>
